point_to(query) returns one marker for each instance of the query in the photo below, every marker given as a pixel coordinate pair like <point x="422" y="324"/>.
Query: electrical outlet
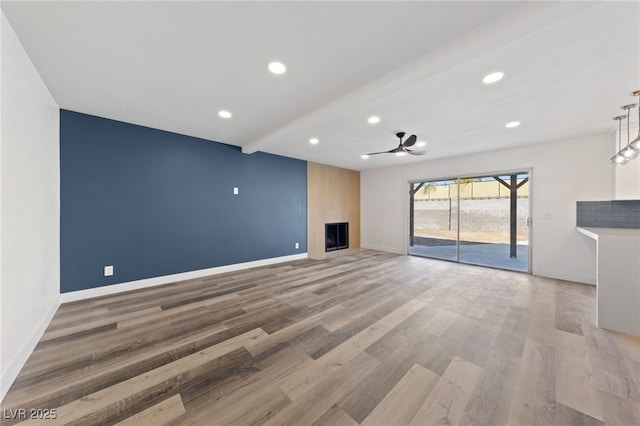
<point x="297" y="245"/>
<point x="235" y="190"/>
<point x="108" y="271"/>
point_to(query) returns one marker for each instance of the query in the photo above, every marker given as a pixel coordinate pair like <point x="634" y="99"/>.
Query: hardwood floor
<point x="368" y="338"/>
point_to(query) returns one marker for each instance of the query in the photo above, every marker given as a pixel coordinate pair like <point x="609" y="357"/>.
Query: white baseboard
<point x="27" y="348"/>
<point x="166" y="279"/>
<point x="578" y="278"/>
<point x="383" y="248"/>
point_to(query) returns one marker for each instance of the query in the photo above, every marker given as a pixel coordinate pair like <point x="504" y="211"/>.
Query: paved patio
<point x="486" y="254"/>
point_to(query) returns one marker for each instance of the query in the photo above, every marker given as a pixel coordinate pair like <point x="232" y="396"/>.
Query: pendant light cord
<point x="639" y="115"/>
<point x="619" y="134"/>
<point x="628" y="122"/>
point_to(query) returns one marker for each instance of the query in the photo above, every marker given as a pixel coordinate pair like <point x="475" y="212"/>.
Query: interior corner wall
<point x="563" y="172"/>
<point x="152" y="203"/>
<point x="333" y="196"/>
<point x="29" y="207"/>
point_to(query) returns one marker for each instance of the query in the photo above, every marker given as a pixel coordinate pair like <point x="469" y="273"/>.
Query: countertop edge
<point x="596" y="232"/>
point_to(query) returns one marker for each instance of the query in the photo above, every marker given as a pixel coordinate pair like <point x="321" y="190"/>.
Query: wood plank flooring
<point x="367" y="338"/>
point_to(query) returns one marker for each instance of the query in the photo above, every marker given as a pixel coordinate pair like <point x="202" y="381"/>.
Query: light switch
<point x="235" y="190"/>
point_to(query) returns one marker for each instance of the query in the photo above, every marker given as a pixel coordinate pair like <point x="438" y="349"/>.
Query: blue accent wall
<point x="155" y="203"/>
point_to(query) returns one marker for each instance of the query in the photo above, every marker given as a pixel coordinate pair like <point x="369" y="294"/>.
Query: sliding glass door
<point x="493" y="220"/>
<point x="434" y="219"/>
<point x="481" y="220"/>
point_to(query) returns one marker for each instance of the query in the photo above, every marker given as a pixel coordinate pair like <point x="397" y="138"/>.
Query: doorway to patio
<point x="480" y="220"/>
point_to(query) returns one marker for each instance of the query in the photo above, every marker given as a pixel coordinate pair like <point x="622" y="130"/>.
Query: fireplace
<point x="336" y="236"/>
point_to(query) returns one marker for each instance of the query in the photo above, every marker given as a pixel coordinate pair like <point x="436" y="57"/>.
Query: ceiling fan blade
<point x="411" y="140"/>
<point x="382" y="152"/>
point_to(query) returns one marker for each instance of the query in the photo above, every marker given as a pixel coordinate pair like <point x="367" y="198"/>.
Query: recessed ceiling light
<point x="313" y="141"/>
<point x="364" y="156"/>
<point x="277" y="67"/>
<point x="401" y="153"/>
<point x="493" y="77"/>
<point x="512" y="124"/>
<point x="374" y="119"/>
<point x="420" y="144"/>
<point x="224" y="114"/>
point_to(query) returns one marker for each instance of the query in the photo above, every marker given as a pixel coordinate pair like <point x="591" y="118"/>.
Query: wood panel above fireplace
<point x="333" y="196"/>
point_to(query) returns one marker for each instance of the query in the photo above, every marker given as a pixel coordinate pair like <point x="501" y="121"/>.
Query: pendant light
<point x="628" y="151"/>
<point x="635" y="144"/>
<point x="618" y="159"/>
<point x="632" y="149"/>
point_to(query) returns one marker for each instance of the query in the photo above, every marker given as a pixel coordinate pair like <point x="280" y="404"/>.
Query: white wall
<point x="563" y="172"/>
<point x="29" y="207"/>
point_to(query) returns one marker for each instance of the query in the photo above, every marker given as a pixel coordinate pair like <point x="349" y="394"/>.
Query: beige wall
<point x="333" y="195"/>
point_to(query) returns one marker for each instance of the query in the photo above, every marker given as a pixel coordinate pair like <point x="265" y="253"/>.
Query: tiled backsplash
<point x="609" y="214"/>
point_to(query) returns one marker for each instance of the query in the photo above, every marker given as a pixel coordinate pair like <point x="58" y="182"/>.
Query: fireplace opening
<point x="336" y="236"/>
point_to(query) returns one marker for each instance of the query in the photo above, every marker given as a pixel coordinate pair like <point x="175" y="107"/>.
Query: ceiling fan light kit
<point x="401" y="149"/>
<point x="632" y="149"/>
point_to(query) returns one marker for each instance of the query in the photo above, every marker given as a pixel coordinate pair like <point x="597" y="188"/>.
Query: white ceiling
<point x="568" y="68"/>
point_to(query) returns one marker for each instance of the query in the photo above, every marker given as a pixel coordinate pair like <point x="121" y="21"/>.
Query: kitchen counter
<point x="618" y="278"/>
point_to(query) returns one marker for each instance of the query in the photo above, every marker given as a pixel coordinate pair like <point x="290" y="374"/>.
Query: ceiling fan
<point x="401" y="149"/>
